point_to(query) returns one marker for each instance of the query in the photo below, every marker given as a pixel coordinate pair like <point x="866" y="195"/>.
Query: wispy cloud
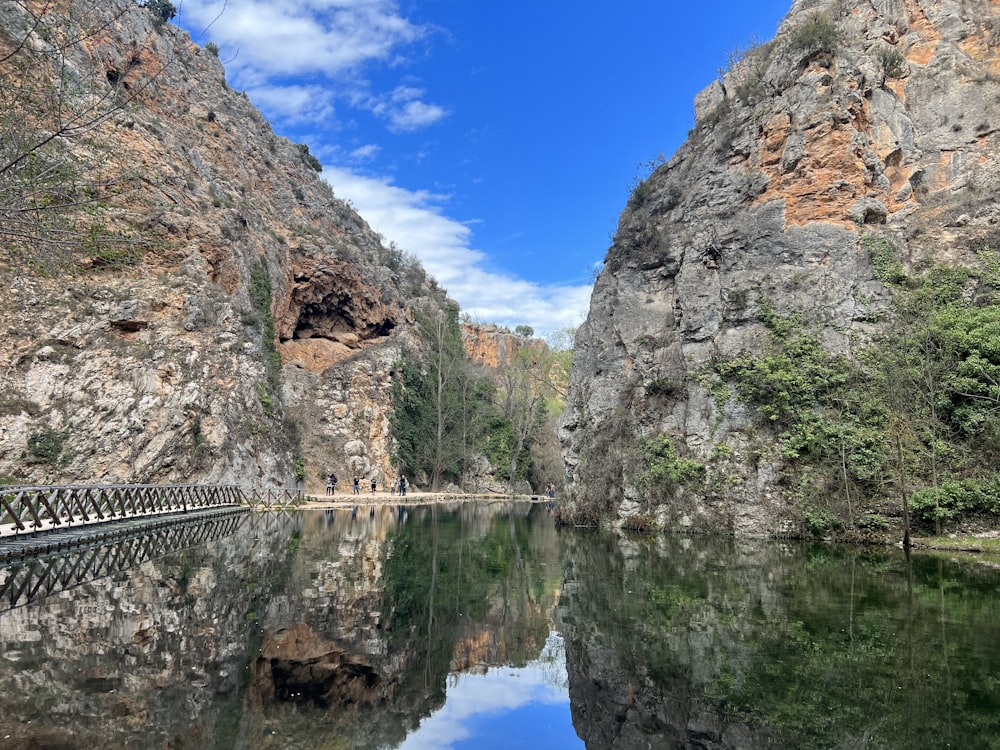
<point x="271" y="45"/>
<point x="415" y="221"/>
<point x="403" y="108"/>
<point x="305" y="64"/>
<point x="365" y="153"/>
<point x="413" y="115"/>
<point x="278" y="38"/>
<point x="296" y="104"/>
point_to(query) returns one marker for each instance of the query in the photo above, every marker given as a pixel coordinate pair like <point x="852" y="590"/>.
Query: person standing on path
<point x="357" y="486"/>
<point x="402" y="486"/>
<point x="374" y="484"/>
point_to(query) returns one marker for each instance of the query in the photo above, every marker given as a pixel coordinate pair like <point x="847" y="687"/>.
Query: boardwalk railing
<point x="273" y="498"/>
<point x="27" y="510"/>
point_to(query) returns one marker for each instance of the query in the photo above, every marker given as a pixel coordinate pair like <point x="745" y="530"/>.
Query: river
<point x="485" y="626"/>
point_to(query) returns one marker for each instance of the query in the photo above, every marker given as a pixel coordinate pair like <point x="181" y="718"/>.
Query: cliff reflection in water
<point x="320" y="629"/>
<point x="333" y="629"/>
<point x="385" y="604"/>
<point x="148" y="656"/>
<point x="700" y="643"/>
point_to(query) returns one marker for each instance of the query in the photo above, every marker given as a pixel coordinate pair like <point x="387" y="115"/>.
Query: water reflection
<point x="148" y="657"/>
<point x="700" y="643"/>
<point x="484" y="626"/>
<point x="24" y="579"/>
<point x="503" y="708"/>
<point x="389" y="604"/>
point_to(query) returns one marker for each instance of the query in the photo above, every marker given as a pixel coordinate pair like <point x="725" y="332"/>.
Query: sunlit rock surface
<point x="160" y="367"/>
<point x="795" y="155"/>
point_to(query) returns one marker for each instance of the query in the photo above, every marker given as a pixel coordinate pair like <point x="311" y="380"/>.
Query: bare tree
<point x="60" y="168"/>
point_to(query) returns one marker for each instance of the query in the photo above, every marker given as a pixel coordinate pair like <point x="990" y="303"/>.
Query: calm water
<point x="485" y="627"/>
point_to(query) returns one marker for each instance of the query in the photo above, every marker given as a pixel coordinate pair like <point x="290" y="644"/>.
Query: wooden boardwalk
<point x="36" y="509"/>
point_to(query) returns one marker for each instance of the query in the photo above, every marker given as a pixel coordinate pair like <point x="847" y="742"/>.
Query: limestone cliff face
<point x="161" y="366"/>
<point x="491" y="346"/>
<point x="802" y="148"/>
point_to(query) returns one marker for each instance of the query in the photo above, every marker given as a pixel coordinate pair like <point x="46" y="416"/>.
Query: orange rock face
<point x="296" y="665"/>
<point x="863" y="131"/>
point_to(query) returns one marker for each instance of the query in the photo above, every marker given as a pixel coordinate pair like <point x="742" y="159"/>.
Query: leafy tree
<point x="164" y="10"/>
<point x="446" y="370"/>
<point x="412" y="422"/>
<point x="438" y="399"/>
<point x="522" y="405"/>
<point x="449" y="412"/>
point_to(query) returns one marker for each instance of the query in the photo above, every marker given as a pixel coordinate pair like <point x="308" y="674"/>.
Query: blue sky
<point x="493" y="141"/>
<point x="504" y="708"/>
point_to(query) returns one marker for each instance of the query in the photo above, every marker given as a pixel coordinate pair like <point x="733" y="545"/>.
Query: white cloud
<point x="365" y="153"/>
<point x="415" y="222"/>
<point x="402" y="108"/>
<point x="269" y="45"/>
<point x="296" y="104"/>
<point x="414" y="115"/>
<point x="278" y="38"/>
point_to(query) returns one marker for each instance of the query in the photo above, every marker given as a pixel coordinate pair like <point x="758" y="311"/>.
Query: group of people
<point x="357" y="485"/>
<point x="400" y="485"/>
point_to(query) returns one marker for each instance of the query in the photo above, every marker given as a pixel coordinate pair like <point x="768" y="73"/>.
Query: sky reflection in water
<point x="505" y="707"/>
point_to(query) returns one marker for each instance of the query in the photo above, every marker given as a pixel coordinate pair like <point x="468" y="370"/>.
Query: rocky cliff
<point x="218" y="313"/>
<point x="861" y="125"/>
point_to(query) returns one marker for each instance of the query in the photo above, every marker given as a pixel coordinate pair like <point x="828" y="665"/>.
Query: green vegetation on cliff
<point x="908" y="427"/>
<point x="899" y="432"/>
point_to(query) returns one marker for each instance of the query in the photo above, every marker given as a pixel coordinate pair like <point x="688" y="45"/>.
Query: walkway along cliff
<point x="795" y="328"/>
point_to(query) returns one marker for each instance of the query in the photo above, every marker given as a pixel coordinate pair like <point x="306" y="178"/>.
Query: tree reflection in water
<point x="341" y="629"/>
<point x="700" y="643"/>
